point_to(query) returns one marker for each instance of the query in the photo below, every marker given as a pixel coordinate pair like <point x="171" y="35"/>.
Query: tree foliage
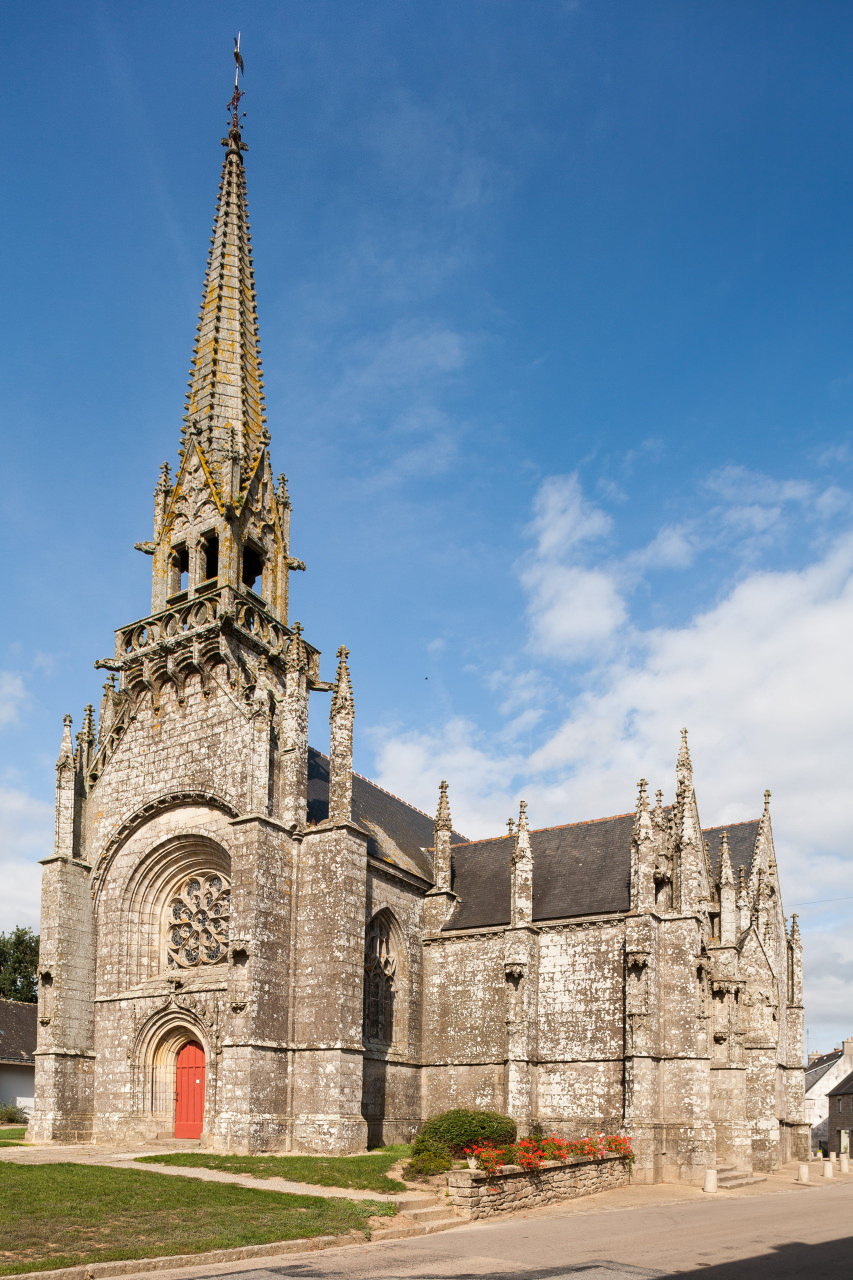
<point x="19" y="955"/>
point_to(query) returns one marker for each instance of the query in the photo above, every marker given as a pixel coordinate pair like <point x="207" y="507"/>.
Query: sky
<point x="556" y="309"/>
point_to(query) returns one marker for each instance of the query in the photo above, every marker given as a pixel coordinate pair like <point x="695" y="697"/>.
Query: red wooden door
<point x="189" y="1091"/>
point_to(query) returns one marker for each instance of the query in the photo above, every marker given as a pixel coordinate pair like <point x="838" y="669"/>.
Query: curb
<point x="174" y="1261"/>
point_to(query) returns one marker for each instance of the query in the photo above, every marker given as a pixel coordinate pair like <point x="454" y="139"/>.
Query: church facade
<point x="246" y="943"/>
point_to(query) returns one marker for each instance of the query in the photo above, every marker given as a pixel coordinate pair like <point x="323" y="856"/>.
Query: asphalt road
<point x="801" y="1232"/>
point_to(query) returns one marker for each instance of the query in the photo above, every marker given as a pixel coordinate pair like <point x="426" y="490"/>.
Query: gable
<point x="742" y="837"/>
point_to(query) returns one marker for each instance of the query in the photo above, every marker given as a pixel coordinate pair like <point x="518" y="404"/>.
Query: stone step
<point x="403" y="1230"/>
<point x="729" y="1181"/>
<point x="432" y="1213"/>
<point x="417" y="1200"/>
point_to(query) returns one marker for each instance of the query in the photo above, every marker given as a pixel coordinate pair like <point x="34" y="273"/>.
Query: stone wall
<point x="476" y="1195"/>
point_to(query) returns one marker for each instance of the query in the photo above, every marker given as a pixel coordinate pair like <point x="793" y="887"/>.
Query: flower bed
<point x="538" y="1171"/>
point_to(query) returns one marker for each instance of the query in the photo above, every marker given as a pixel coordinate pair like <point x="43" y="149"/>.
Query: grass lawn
<point x="12" y="1137"/>
<point x="61" y="1215"/>
<point x="366" y="1173"/>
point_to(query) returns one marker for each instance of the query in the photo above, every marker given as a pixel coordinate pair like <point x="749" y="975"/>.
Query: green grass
<point x="12" y="1137"/>
<point x="62" y="1215"/>
<point x="366" y="1173"/>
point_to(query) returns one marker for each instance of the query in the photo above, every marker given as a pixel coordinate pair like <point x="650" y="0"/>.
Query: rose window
<point x="197" y="925"/>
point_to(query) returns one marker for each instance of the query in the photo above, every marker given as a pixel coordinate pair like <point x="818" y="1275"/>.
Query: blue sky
<point x="556" y="313"/>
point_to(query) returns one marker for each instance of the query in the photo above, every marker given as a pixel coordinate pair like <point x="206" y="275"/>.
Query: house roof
<point x="18" y="1026"/>
<point x="846" y="1086"/>
<point x="398" y="833"/>
<point x="819" y="1067"/>
<point x="582" y="869"/>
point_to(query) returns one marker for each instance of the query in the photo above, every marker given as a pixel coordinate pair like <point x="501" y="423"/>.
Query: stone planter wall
<point x="476" y="1195"/>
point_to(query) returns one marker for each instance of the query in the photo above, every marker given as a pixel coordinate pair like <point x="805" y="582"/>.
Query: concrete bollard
<point x="803" y="1173"/>
<point x="828" y="1169"/>
<point x="833" y="1157"/>
<point x="844" y="1163"/>
<point x="710" y="1183"/>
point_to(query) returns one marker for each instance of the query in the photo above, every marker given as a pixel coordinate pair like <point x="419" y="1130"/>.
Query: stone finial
<point x="281" y="492"/>
<point x="521" y="890"/>
<point x="342" y="696"/>
<point x="795" y="928"/>
<point x="443" y="820"/>
<point x="684" y="765"/>
<point x="164" y="483"/>
<point x="297" y="656"/>
<point x="767" y="802"/>
<point x="642" y="796"/>
<point x="510" y="825"/>
<point x="66" y="749"/>
<point x="726" y="874"/>
<point x="341" y="717"/>
<point x="442" y="834"/>
<point x="87" y="729"/>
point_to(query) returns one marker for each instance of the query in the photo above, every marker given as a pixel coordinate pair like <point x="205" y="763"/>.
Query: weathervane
<point x="237" y="95"/>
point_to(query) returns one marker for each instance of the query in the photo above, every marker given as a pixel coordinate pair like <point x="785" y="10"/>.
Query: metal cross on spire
<point x="238" y="71"/>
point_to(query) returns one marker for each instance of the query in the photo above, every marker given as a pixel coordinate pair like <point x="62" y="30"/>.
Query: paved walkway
<point x="783" y="1232"/>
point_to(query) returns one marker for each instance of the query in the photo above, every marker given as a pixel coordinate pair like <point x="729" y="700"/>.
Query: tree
<point x="19" y="957"/>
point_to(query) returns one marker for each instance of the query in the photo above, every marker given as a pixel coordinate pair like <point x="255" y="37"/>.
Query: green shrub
<point x="460" y="1129"/>
<point x="429" y="1156"/>
<point x="12" y="1114"/>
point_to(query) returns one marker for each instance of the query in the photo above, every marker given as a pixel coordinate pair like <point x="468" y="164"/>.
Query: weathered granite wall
<point x="477" y="1195"/>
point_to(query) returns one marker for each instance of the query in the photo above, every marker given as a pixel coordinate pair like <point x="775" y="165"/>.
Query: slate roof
<point x="578" y="870"/>
<point x="846" y="1086"/>
<point x="815" y="1070"/>
<point x="742" y="838"/>
<point x="398" y="833"/>
<point x="17" y="1031"/>
<point x="582" y="869"/>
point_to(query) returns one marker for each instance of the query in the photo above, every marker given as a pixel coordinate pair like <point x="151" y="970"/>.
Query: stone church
<point x="246" y="943"/>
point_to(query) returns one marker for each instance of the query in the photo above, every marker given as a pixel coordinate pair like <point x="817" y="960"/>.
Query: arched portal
<point x="189" y="1090"/>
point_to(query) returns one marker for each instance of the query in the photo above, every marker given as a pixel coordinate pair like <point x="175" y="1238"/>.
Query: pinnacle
<point x="684" y="753"/>
<point x="726" y="875"/>
<point x="642" y="796"/>
<point x="342" y="697"/>
<point x="442" y="817"/>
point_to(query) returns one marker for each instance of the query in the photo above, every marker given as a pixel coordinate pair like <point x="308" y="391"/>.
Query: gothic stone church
<point x="243" y="941"/>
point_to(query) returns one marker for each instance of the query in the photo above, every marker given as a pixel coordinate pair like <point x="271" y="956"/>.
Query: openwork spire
<point x="226" y="398"/>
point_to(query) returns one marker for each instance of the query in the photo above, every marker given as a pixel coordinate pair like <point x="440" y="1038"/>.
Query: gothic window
<point x="380" y="964"/>
<point x="253" y="568"/>
<point x="210" y="548"/>
<point x="179" y="570"/>
<point x="197" y="922"/>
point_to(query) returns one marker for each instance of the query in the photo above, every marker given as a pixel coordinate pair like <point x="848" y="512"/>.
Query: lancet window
<point x="197" y="922"/>
<point x="380" y="967"/>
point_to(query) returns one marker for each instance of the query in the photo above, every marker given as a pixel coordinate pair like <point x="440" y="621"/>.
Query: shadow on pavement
<point x="792" y="1261"/>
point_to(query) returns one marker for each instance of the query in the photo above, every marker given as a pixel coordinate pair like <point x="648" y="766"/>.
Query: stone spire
<point x="728" y="895"/>
<point x="684" y="766"/>
<point x="341" y="717"/>
<point x="226" y="398"/>
<point x="521" y="900"/>
<point x="442" y="834"/>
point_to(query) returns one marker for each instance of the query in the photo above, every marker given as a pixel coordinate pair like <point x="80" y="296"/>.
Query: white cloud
<point x="26" y="834"/>
<point x="12" y="697"/>
<point x="762" y="678"/>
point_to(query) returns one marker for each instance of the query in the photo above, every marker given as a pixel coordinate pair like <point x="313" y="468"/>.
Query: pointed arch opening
<point x="382" y="953"/>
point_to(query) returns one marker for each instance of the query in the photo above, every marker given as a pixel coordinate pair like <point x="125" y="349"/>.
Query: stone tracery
<point x="197" y="922"/>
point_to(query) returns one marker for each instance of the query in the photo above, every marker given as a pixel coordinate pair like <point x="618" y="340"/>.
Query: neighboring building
<point x="823" y="1072"/>
<point x="840" y="1118"/>
<point x="18" y="1027"/>
<point x="244" y="940"/>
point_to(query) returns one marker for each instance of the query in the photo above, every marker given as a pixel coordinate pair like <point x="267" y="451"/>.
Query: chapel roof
<point x="18" y="1027"/>
<point x="846" y="1086"/>
<point x="582" y="869"/>
<point x="742" y="837"/>
<point x="398" y="833"/>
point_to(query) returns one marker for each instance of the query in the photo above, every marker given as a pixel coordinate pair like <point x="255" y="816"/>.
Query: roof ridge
<point x="727" y="826"/>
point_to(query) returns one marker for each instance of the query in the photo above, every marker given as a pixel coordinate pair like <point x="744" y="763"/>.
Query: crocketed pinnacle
<point x="442" y="817"/>
<point x="226" y="398"/>
<point x="726" y="874"/>
<point x="684" y="767"/>
<point x="522" y="837"/>
<point x="342" y="698"/>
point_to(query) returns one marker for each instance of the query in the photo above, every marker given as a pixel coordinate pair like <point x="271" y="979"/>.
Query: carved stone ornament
<point x="197" y="922"/>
